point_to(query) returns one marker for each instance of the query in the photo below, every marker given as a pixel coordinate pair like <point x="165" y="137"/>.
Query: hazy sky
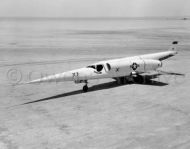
<point x="94" y="8"/>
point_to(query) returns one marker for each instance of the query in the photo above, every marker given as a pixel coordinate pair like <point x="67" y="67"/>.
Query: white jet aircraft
<point x="122" y="69"/>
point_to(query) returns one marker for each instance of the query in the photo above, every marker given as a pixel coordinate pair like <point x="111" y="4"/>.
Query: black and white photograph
<point x="94" y="74"/>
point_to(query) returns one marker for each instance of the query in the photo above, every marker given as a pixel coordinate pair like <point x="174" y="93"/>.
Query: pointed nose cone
<point x="66" y="76"/>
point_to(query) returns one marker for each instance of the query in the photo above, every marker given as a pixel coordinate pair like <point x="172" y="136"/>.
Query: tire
<point x="85" y="88"/>
<point x="139" y="79"/>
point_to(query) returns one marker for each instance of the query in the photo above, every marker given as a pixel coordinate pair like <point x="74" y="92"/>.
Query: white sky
<point x="94" y="8"/>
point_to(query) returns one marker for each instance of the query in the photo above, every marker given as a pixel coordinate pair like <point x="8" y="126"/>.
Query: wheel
<point x="85" y="88"/>
<point x="139" y="79"/>
<point x="123" y="80"/>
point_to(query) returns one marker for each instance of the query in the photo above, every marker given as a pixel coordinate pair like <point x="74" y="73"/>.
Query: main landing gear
<point x="85" y="87"/>
<point x="139" y="79"/>
<point x="130" y="79"/>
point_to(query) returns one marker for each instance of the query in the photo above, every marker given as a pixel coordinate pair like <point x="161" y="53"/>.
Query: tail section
<point x="171" y="51"/>
<point x="174" y="46"/>
<point x="163" y="55"/>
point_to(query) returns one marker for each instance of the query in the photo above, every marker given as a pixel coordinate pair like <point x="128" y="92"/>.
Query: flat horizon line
<point x="96" y="18"/>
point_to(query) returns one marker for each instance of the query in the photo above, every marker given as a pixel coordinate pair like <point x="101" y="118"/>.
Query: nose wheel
<point x="85" y="87"/>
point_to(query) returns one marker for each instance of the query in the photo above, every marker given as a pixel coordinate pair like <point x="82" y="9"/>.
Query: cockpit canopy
<point x="99" y="67"/>
<point x="91" y="66"/>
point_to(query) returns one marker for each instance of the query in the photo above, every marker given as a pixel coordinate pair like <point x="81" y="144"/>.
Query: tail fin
<point x="174" y="46"/>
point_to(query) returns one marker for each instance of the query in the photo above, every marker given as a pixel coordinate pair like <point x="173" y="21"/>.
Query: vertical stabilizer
<point x="174" y="46"/>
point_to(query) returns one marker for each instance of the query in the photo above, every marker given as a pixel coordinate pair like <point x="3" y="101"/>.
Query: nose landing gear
<point x="85" y="87"/>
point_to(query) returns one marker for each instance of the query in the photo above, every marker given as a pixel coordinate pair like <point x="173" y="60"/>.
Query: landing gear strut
<point x="85" y="87"/>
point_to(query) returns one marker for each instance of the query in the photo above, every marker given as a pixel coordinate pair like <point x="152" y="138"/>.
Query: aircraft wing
<point x="161" y="72"/>
<point x="169" y="73"/>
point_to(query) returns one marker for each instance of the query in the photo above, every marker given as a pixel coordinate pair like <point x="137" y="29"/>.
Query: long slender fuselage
<point x="111" y="68"/>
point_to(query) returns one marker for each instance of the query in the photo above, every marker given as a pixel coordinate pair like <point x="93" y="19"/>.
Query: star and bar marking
<point x="134" y="66"/>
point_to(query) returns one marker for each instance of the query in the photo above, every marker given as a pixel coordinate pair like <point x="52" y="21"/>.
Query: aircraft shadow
<point x="103" y="86"/>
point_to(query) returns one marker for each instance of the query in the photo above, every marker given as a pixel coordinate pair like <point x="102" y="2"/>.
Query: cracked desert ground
<point x="60" y="116"/>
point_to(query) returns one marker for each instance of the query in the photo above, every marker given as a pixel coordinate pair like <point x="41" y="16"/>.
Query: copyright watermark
<point x="14" y="76"/>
